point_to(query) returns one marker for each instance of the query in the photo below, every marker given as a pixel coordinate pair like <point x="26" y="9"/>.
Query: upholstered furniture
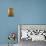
<point x="33" y="32"/>
<point x="34" y="36"/>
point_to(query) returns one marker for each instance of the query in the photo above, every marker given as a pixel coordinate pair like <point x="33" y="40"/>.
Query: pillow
<point x="24" y="34"/>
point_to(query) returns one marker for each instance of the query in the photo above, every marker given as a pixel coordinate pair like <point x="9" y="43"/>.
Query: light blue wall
<point x="26" y="12"/>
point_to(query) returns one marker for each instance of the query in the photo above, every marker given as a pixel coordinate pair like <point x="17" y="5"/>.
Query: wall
<point x="26" y="12"/>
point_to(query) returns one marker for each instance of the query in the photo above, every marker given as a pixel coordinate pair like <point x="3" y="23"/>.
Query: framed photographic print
<point x="10" y="12"/>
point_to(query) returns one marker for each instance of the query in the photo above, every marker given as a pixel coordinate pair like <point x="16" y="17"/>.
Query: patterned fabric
<point x="29" y="33"/>
<point x="12" y="36"/>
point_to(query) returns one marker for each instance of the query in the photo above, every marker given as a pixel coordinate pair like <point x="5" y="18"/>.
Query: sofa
<point x="33" y="35"/>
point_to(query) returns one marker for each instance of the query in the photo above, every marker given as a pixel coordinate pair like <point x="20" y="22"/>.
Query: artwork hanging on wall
<point x="10" y="12"/>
